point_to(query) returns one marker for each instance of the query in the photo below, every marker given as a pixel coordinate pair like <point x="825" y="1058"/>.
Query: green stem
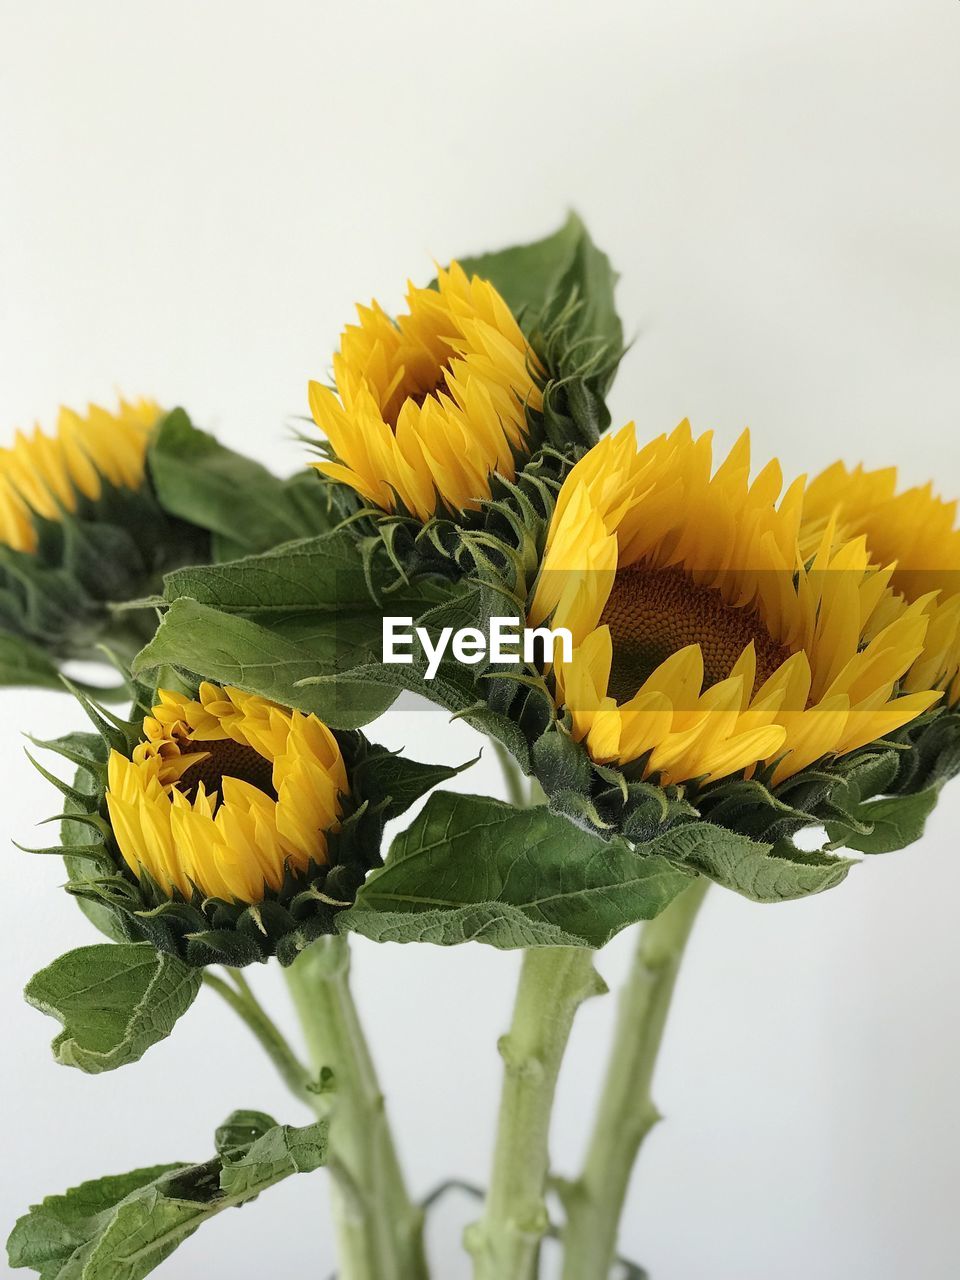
<point x="245" y="1004"/>
<point x="379" y="1230"/>
<point x="554" y="981"/>
<point x="626" y="1112"/>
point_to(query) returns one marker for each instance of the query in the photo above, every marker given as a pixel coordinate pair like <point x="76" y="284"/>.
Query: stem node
<point x="626" y="1113"/>
<point x="554" y="982"/>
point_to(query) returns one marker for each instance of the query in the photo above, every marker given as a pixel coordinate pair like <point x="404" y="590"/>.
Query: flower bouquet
<point x="691" y="672"/>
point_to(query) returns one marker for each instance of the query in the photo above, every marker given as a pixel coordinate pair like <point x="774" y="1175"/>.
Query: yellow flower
<point x="225" y="794"/>
<point x="429" y="405"/>
<point x="703" y="644"/>
<point x="915" y="530"/>
<point x="47" y="474"/>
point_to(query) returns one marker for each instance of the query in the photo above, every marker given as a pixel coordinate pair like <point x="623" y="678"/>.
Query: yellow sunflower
<point x="226" y="793"/>
<point x="47" y="474"/>
<point x="916" y="531"/>
<point x="427" y="406"/>
<point x="703" y="643"/>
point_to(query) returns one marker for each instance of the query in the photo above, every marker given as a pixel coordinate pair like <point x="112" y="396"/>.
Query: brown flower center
<point x="225" y="758"/>
<point x="417" y="391"/>
<point x="652" y="613"/>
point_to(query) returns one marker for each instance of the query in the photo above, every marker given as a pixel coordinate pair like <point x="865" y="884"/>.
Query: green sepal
<point x="561" y="290"/>
<point x="123" y="1227"/>
<point x="203" y="931"/>
<point x="875" y="800"/>
<point x="928" y="751"/>
<point x="416" y="549"/>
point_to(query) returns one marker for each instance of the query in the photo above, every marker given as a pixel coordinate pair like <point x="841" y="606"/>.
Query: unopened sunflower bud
<point x="429" y="406"/>
<point x="227" y="795"/>
<point x="224" y="828"/>
<point x="81" y="530"/>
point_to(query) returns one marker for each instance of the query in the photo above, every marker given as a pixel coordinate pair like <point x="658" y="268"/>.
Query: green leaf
<point x="763" y="872"/>
<point x="114" y="1002"/>
<point x="591" y="279"/>
<point x="893" y="822"/>
<point x="24" y="663"/>
<point x="272" y="657"/>
<point x="324" y="573"/>
<point x="239" y="1131"/>
<point x="307" y="607"/>
<point x="275" y="1155"/>
<point x="47" y="1236"/>
<point x="561" y="288"/>
<point x="528" y="276"/>
<point x="474" y="869"/>
<point x="122" y="1228"/>
<point x="237" y="499"/>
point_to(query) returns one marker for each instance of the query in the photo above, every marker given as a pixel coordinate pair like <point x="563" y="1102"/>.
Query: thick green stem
<point x="379" y="1230"/>
<point x="244" y="1003"/>
<point x="626" y="1113"/>
<point x="554" y="981"/>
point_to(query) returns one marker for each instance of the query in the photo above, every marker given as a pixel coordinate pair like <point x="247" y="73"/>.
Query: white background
<point x="192" y="198"/>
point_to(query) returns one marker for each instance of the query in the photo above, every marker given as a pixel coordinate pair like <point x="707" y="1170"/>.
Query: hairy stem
<point x="554" y="981"/>
<point x="379" y="1230"/>
<point x="244" y="1003"/>
<point x="626" y="1112"/>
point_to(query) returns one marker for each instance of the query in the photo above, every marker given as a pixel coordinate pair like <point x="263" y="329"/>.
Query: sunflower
<point x="916" y="531"/>
<point x="429" y="405"/>
<point x="703" y="643"/>
<point x="225" y="795"/>
<point x="47" y="475"/>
